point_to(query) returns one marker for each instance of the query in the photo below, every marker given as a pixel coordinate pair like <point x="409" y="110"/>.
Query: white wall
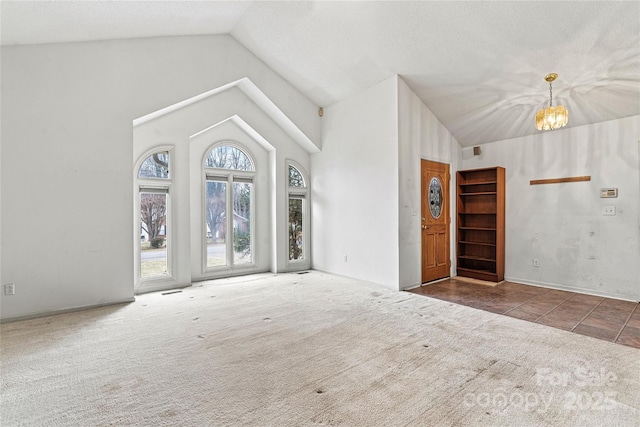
<point x="421" y="136"/>
<point x="208" y="119"/>
<point x="1" y="245"/>
<point x="355" y="187"/>
<point x="562" y="225"/>
<point x="67" y="155"/>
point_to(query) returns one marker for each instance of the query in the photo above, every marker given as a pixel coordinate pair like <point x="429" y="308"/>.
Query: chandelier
<point x="551" y="117"/>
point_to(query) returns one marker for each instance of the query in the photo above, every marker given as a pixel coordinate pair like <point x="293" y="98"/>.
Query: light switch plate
<point x="609" y="210"/>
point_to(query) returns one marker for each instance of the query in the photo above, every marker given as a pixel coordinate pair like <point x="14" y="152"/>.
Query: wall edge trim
<point x="64" y="310"/>
<point x="561" y="287"/>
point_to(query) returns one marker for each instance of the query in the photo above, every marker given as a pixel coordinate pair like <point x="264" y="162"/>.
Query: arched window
<point x="155" y="166"/>
<point x="228" y="208"/>
<point x="298" y="215"/>
<point x="295" y="178"/>
<point x="228" y="157"/>
<point x="153" y="206"/>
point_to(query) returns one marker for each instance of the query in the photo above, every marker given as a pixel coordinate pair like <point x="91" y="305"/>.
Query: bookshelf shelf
<point x="480" y="223"/>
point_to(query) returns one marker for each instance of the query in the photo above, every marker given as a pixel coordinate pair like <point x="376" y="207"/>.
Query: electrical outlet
<point x="10" y="289"/>
<point x="536" y="262"/>
<point x="609" y="210"/>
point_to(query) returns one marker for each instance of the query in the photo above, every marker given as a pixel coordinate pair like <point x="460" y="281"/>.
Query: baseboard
<point x="65" y="310"/>
<point x="392" y="288"/>
<point x="414" y="286"/>
<point x="160" y="286"/>
<point x="229" y="274"/>
<point x="559" y="287"/>
<point x="294" y="269"/>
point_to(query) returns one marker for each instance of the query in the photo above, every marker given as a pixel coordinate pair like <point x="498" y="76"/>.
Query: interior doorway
<point x="436" y="256"/>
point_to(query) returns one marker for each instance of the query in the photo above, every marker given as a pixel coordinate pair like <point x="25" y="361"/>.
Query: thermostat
<point x="608" y="193"/>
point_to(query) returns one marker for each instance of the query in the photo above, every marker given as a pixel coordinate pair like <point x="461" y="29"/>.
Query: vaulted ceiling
<point x="479" y="66"/>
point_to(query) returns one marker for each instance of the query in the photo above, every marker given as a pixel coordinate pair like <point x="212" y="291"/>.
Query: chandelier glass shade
<point x="551" y="117"/>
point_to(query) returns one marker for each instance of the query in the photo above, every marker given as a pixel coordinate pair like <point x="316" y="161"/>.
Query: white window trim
<point x="304" y="193"/>
<point x="229" y="175"/>
<point x="163" y="185"/>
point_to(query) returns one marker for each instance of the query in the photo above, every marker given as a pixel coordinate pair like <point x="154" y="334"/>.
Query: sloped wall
<point x="67" y="155"/>
<point x="229" y="115"/>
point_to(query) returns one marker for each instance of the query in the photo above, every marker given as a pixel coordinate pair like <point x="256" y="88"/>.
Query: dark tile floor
<point x="604" y="318"/>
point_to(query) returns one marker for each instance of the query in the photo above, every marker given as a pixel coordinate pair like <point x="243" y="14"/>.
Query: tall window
<point x="297" y="226"/>
<point x="228" y="209"/>
<point x="154" y="184"/>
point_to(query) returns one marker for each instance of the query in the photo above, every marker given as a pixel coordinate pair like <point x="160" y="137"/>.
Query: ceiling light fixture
<point x="551" y="117"/>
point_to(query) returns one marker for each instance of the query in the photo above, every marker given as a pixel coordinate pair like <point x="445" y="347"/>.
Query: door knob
<point x="424" y="227"/>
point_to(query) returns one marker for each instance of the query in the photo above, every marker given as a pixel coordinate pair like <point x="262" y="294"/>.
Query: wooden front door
<point x="436" y="256"/>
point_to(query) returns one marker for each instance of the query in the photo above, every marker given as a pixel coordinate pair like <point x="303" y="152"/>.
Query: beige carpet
<point x="305" y="350"/>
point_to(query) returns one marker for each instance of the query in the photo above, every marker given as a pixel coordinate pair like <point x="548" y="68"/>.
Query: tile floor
<point x="604" y="318"/>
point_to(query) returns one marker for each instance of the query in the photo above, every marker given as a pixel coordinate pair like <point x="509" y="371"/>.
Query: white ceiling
<point x="479" y="66"/>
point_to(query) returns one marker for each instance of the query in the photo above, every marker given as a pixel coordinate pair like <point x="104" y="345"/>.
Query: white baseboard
<point x="409" y="287"/>
<point x="571" y="289"/>
<point x="417" y="285"/>
<point x="383" y="285"/>
<point x="65" y="310"/>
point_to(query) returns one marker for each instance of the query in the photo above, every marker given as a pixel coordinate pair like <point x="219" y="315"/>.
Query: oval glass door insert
<point x="435" y="198"/>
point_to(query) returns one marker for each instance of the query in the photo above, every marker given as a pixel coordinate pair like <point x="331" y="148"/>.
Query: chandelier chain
<point x="550" y="96"/>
